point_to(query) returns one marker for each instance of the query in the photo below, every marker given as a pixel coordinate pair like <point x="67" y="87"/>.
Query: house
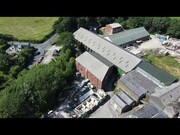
<point x="16" y="47"/>
<point x="122" y="59"/>
<point x="94" y="67"/>
<point x="168" y="99"/>
<point x="113" y="28"/>
<point x="128" y="37"/>
<point x="155" y="74"/>
<point x="121" y="102"/>
<point x="148" y="111"/>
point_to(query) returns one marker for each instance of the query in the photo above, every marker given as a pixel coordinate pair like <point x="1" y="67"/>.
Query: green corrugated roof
<point x="160" y="75"/>
<point x="128" y="35"/>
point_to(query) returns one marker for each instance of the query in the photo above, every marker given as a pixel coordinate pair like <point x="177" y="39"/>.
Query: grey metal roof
<point x="128" y="36"/>
<point x="125" y="98"/>
<point x="93" y="65"/>
<point x="168" y="94"/>
<point x="118" y="101"/>
<point x="149" y="111"/>
<point x="119" y="57"/>
<point x="142" y="80"/>
<point x="133" y="85"/>
<point x="102" y="59"/>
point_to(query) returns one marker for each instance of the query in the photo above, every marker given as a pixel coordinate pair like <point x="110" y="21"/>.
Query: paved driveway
<point x="104" y="111"/>
<point x="41" y="48"/>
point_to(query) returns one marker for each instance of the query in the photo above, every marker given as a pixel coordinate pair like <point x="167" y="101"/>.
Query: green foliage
<point x="174" y="28"/>
<point x="65" y="38"/>
<point x="134" y="22"/>
<point x="65" y="24"/>
<point x="160" y="24"/>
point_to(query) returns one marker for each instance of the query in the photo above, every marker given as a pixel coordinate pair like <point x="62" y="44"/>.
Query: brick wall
<point x="85" y="73"/>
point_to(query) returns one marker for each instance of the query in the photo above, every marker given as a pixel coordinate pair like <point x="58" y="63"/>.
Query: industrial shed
<point x="122" y="102"/>
<point x="128" y="37"/>
<point x="119" y="57"/>
<point x="167" y="98"/>
<point x="97" y="69"/>
<point x="132" y="87"/>
<point x="155" y="74"/>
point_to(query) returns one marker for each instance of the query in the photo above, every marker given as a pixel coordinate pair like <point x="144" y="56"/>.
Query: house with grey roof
<point x="168" y="99"/>
<point x="121" y="102"/>
<point x="16" y="47"/>
<point x="127" y="37"/>
<point x="148" y="111"/>
<point x="119" y="57"/>
<point x="94" y="67"/>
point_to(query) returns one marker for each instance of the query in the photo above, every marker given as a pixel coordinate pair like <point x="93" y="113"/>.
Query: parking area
<point x="153" y="44"/>
<point x="49" y="54"/>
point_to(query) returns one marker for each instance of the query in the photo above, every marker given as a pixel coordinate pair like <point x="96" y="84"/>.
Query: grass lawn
<point x="27" y="28"/>
<point x="166" y="63"/>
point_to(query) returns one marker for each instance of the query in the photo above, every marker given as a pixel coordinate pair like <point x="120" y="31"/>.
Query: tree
<point x="160" y="24"/>
<point x="5" y="62"/>
<point x="174" y="28"/>
<point x="81" y="22"/>
<point x="148" y="23"/>
<point x="105" y="20"/>
<point x="14" y="70"/>
<point x="134" y="22"/>
<point x="65" y="24"/>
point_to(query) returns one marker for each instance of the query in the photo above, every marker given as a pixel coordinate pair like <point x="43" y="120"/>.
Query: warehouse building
<point x="128" y="37"/>
<point x="97" y="69"/>
<point x="158" y="76"/>
<point x="122" y="59"/>
<point x="129" y="84"/>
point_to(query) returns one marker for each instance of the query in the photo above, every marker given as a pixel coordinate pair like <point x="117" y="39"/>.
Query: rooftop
<point x="149" y="111"/>
<point x="118" y="101"/>
<point x="125" y="98"/>
<point x="114" y="25"/>
<point x="133" y="85"/>
<point x="126" y="36"/>
<point x="119" y="57"/>
<point x="157" y="73"/>
<point x="168" y="94"/>
<point x="93" y="65"/>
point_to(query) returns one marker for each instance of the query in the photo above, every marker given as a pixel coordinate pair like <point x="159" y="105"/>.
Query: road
<point x="41" y="48"/>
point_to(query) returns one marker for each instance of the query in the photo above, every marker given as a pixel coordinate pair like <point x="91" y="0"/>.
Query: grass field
<point x="27" y="28"/>
<point x="166" y="63"/>
<point x="175" y="18"/>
